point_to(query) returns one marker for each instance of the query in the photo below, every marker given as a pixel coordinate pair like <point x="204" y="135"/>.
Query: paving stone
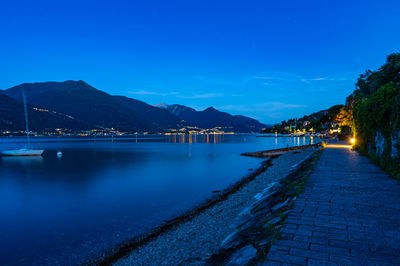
<point x="349" y="244"/>
<point x="272" y="263"/>
<point x="346" y="260"/>
<point x="348" y="214"/>
<point x="319" y="240"/>
<point x="292" y="244"/>
<point x="285" y="258"/>
<point x="314" y="254"/>
<point x="314" y="262"/>
<point x="331" y="249"/>
<point x="281" y="248"/>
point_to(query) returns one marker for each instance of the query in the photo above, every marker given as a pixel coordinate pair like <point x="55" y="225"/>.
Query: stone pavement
<point x="348" y="214"/>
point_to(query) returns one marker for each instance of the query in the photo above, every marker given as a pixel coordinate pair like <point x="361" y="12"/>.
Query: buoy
<point x="59" y="154"/>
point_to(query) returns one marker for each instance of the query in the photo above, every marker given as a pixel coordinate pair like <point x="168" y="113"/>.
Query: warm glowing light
<point x="353" y="141"/>
<point x="338" y="146"/>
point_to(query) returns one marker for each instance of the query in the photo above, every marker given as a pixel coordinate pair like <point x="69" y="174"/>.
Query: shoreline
<point x="274" y="152"/>
<point x="125" y="250"/>
<point x="122" y="250"/>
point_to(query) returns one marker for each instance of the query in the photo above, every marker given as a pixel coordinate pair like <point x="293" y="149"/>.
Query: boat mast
<point x="26" y="119"/>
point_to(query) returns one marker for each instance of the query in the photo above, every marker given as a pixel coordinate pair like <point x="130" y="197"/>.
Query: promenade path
<point x="348" y="214"/>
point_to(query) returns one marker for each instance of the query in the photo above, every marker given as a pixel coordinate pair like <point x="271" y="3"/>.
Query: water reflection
<point x="21" y="160"/>
<point x="196" y="138"/>
<point x="102" y="191"/>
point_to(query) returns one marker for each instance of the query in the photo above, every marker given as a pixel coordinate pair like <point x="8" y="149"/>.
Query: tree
<point x="345" y="116"/>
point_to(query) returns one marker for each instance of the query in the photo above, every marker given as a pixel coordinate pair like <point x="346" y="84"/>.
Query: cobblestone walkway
<point x="348" y="214"/>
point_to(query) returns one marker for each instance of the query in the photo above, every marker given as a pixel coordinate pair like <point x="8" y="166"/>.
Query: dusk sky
<point x="271" y="60"/>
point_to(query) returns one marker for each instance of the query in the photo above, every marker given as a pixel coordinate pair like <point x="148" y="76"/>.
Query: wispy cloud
<point x="143" y="92"/>
<point x="280" y="105"/>
<point x="272" y="111"/>
<point x="260" y="107"/>
<point x="328" y="79"/>
<point x="178" y="95"/>
<point x="201" y="96"/>
<point x="268" y="78"/>
<point x="278" y="77"/>
<point x="317" y="79"/>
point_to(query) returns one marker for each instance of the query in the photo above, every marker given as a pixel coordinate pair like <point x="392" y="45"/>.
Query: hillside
<point x="317" y="122"/>
<point x="211" y="117"/>
<point x="91" y="108"/>
<point x="95" y="108"/>
<point x="12" y="117"/>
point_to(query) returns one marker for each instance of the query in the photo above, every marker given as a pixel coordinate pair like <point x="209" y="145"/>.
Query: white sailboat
<point x="26" y="151"/>
<point x="22" y="152"/>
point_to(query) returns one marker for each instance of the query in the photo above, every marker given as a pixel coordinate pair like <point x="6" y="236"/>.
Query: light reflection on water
<point x="103" y="191"/>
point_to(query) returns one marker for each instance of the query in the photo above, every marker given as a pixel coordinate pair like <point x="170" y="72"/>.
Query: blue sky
<point x="270" y="60"/>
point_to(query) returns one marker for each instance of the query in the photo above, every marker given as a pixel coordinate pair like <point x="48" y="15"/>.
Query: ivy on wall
<point x="379" y="112"/>
<point x="375" y="105"/>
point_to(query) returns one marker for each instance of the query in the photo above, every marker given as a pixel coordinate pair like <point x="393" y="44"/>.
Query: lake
<point x="104" y="191"/>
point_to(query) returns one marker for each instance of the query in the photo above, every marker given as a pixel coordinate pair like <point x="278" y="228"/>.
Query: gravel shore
<point x="192" y="242"/>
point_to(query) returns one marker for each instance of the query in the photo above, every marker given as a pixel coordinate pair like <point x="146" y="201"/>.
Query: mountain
<point x="77" y="105"/>
<point x="211" y="117"/>
<point x="12" y="117"/>
<point x="181" y="111"/>
<point x="95" y="108"/>
<point x="158" y="118"/>
<point x="161" y="105"/>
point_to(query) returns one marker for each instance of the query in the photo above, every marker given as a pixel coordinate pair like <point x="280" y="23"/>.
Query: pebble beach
<point x="193" y="242"/>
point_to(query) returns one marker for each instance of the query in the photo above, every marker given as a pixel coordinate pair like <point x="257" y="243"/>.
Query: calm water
<point x="102" y="192"/>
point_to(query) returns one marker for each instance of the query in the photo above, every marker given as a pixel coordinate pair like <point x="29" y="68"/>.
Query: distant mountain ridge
<point x="95" y="108"/>
<point x="211" y="117"/>
<point x="82" y="106"/>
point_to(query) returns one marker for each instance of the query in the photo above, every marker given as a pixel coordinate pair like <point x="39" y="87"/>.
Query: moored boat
<point x="26" y="151"/>
<point x="22" y="152"/>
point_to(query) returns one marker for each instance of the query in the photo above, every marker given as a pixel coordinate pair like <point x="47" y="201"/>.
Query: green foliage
<point x="390" y="165"/>
<point x="379" y="112"/>
<point x="371" y="81"/>
<point x="376" y="108"/>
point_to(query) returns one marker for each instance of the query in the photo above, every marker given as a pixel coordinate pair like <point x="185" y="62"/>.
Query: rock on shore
<point x="195" y="241"/>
